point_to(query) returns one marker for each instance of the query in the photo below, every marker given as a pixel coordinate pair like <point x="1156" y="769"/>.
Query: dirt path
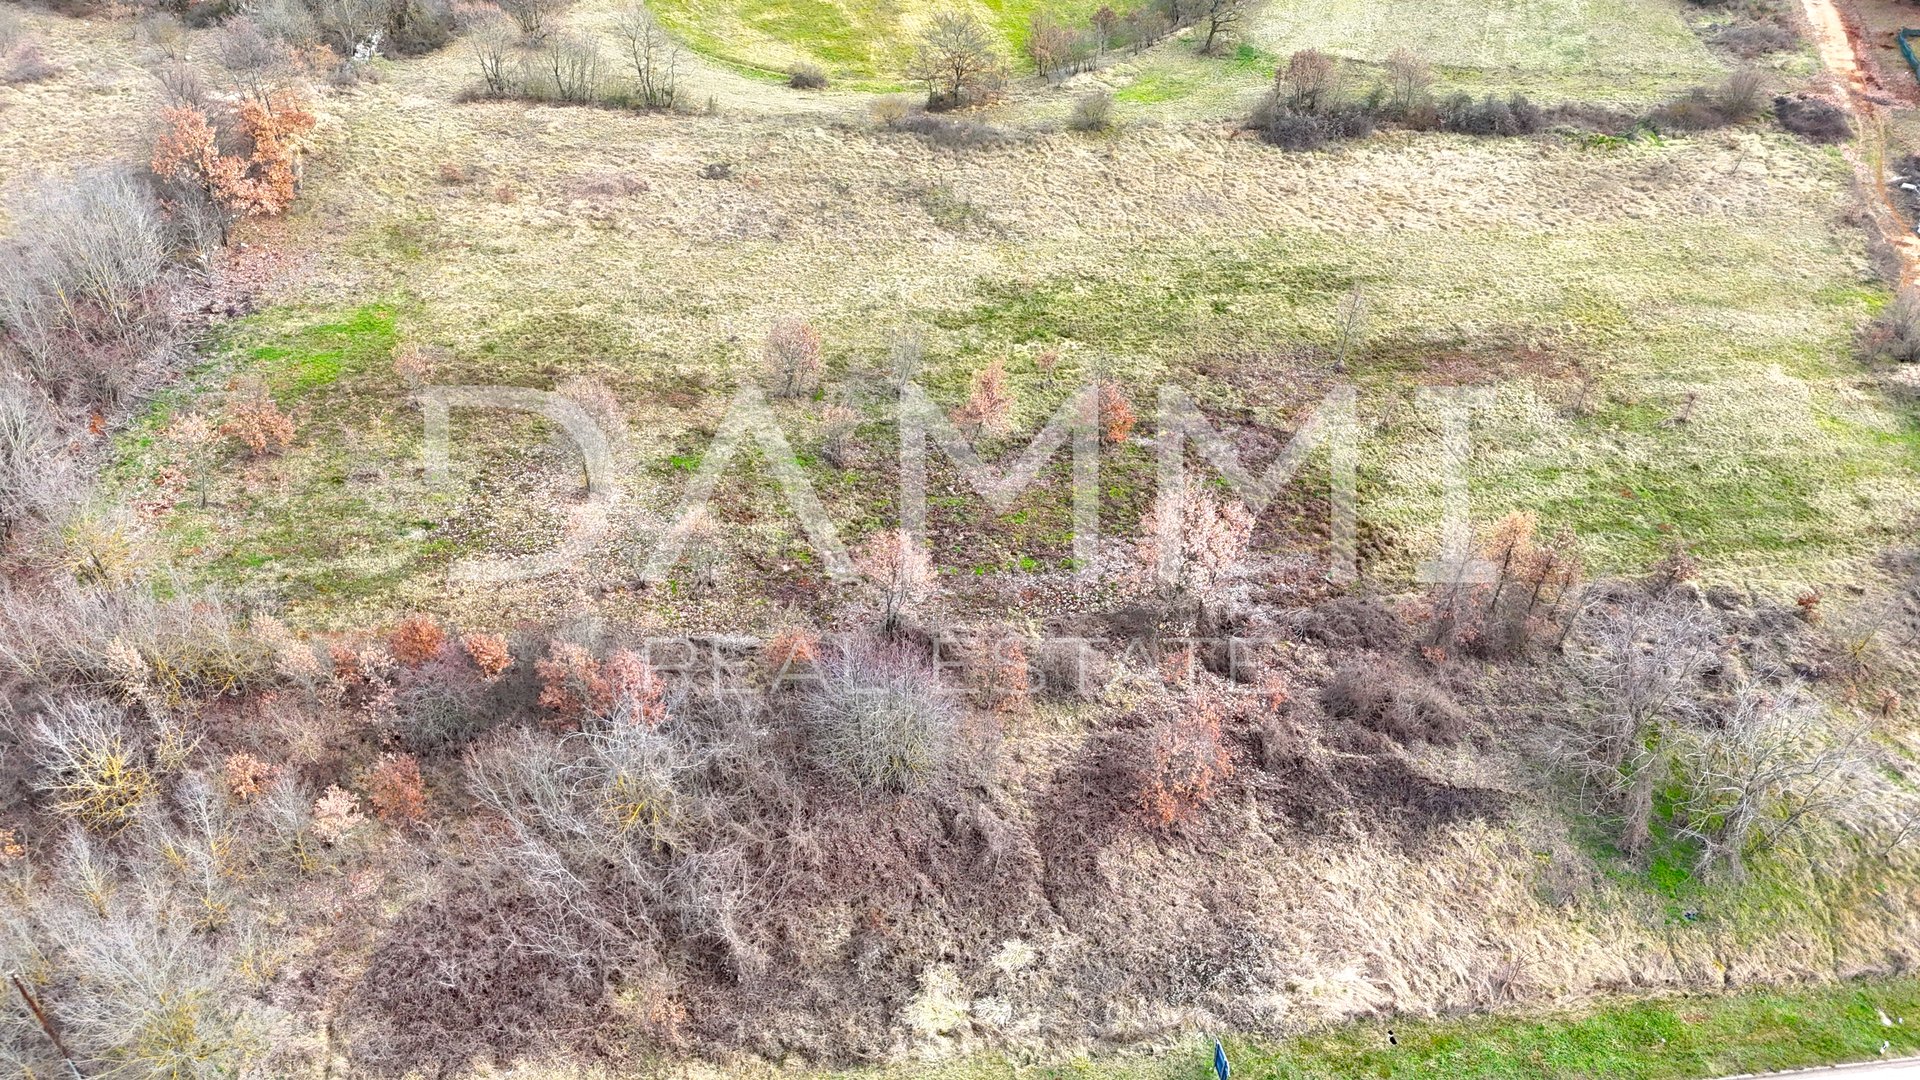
<point x="1839" y="51"/>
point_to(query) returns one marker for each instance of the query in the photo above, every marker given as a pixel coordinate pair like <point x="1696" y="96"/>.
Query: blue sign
<point x="1220" y="1067"/>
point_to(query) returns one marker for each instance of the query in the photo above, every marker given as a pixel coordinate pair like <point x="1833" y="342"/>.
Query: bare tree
<point x="534" y="17"/>
<point x="1309" y="83"/>
<point x="1640" y="658"/>
<point x="571" y="65"/>
<point x="1759" y="773"/>
<point x="654" y="57"/>
<point x="1408" y="77"/>
<point x="1222" y="19"/>
<point x="957" y="58"/>
<point x="492" y="43"/>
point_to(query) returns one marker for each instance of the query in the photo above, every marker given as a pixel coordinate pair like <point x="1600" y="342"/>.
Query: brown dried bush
<point x="247" y="776"/>
<point x="254" y="420"/>
<point x="396" y="791"/>
<point x="791" y="358"/>
<point x="416" y="640"/>
<point x="989" y="407"/>
<point x="1182" y="763"/>
<point x="488" y="652"/>
<point x="1395" y="701"/>
<point x="635" y="690"/>
<point x="274" y="126"/>
<point x="572" y="685"/>
<point x="1116" y="414"/>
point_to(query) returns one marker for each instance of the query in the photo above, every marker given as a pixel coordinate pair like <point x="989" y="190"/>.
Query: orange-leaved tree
<point x="258" y="174"/>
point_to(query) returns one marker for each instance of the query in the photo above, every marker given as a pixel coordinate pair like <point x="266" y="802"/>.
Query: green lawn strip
<point x="1675" y="1038"/>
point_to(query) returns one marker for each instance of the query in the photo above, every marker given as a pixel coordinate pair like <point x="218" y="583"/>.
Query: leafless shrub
<point x="807" y="77"/>
<point x="1409" y="78"/>
<point x="33" y="474"/>
<point x="791" y="358"/>
<point x="654" y="57"/>
<point x="570" y="67"/>
<point x="890" y="109"/>
<point x="900" y="571"/>
<point x="881" y="720"/>
<point x="492" y="43"/>
<point x="1395" y="701"/>
<point x="534" y="17"/>
<point x="1763" y="769"/>
<point x="80" y="311"/>
<point x="138" y="984"/>
<point x="182" y="84"/>
<point x="1893" y="336"/>
<point x="289" y="21"/>
<point x="129" y="640"/>
<point x="1093" y="111"/>
<point x="1640" y="658"/>
<point x="92" y="765"/>
<point x="1739" y="97"/>
<point x="839" y="424"/>
<point x="27" y="64"/>
<point x="1309" y="83"/>
<point x="437" y="704"/>
<point x="1534" y="589"/>
<point x="1750" y="40"/>
<point x="1070" y="668"/>
<point x="1512" y="115"/>
<point x="12" y="29"/>
<point x="949" y="132"/>
<point x="252" y="58"/>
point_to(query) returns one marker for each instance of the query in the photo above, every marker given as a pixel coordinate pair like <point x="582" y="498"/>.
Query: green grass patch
<point x="863" y="44"/>
<point x="1681" y="1038"/>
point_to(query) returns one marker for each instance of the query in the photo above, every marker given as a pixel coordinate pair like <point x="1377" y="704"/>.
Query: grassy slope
<point x="1709" y="267"/>
<point x="866" y="42"/>
<point x="1619" y="50"/>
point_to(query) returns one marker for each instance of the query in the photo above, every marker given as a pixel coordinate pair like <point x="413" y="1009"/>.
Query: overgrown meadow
<point x="640" y="711"/>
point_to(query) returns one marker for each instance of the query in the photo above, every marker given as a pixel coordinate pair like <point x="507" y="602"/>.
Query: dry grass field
<point x="547" y="867"/>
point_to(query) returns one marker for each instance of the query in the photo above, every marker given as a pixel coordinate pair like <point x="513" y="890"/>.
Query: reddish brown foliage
<point x="396" y="791"/>
<point x="489" y="653"/>
<point x="255" y="419"/>
<point x="416" y="640"/>
<point x="263" y="180"/>
<point x="1184" y="762"/>
<point x="247" y="776"/>
<point x="571" y="684"/>
<point x="989" y="408"/>
<point x="1116" y="414"/>
<point x="632" y="684"/>
<point x="1001" y="671"/>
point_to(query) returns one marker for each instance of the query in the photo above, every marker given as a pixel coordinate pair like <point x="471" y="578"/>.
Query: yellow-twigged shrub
<point x="95" y="770"/>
